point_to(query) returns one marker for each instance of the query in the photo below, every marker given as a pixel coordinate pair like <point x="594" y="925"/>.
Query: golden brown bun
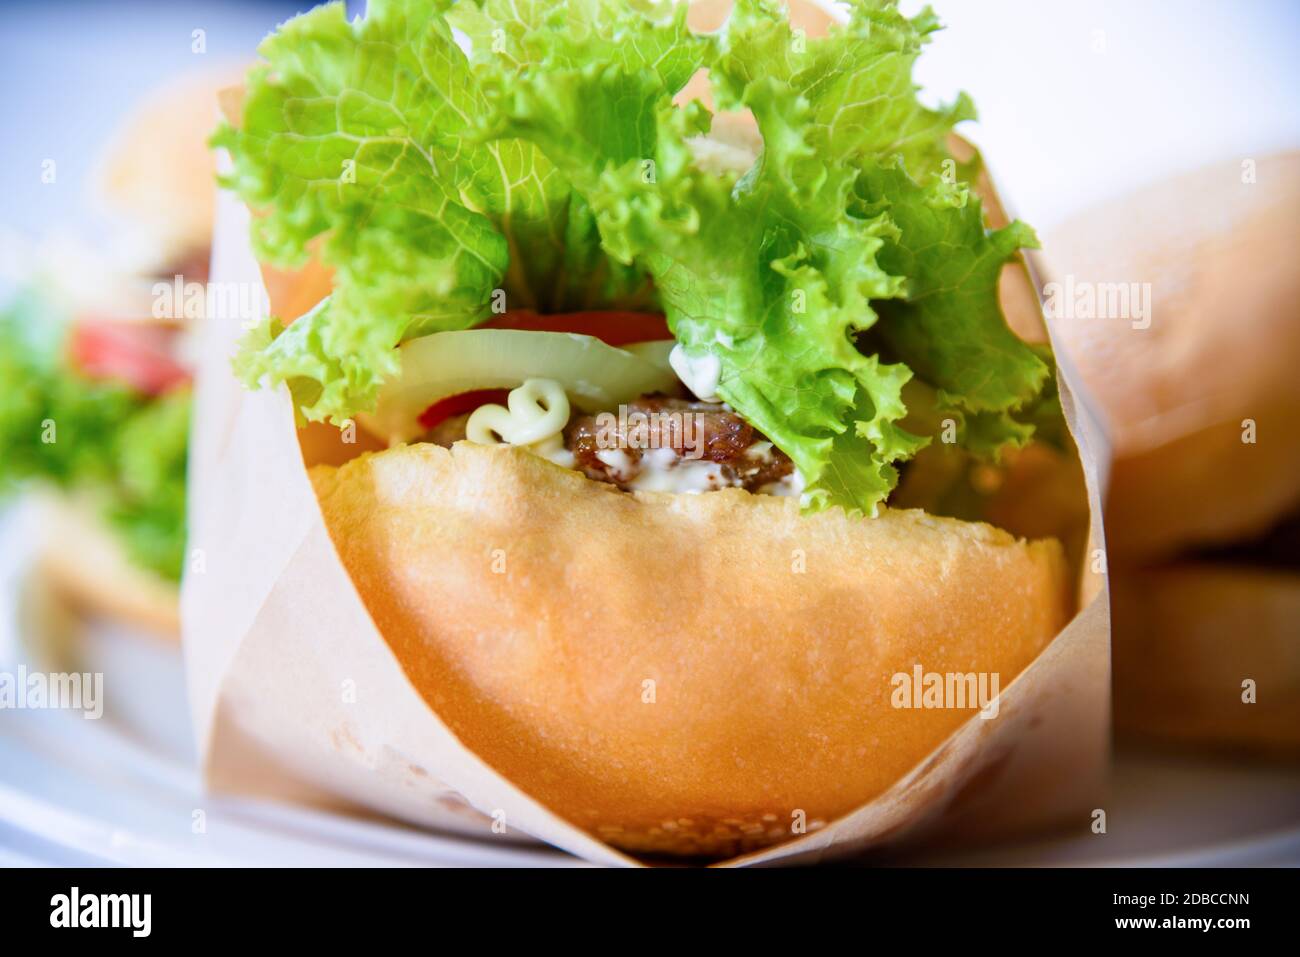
<point x="1192" y="633"/>
<point x="1223" y="346"/>
<point x="85" y="563"/>
<point x="531" y="606"/>
<point x="159" y="172"/>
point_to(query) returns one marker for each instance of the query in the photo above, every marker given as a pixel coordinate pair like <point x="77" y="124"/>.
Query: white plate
<point x="125" y="789"/>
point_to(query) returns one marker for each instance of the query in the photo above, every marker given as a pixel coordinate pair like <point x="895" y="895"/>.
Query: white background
<point x="1176" y="84"/>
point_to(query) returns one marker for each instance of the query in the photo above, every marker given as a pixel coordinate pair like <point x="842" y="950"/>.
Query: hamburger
<point x="683" y="434"/>
<point x="1203" y="513"/>
<point x="96" y="416"/>
<point x="96" y="346"/>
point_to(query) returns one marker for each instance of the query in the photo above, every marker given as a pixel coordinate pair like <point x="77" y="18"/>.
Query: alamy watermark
<point x="1082" y="299"/>
<point x="682" y="431"/>
<point x="133" y="912"/>
<point x="246" y="302"/>
<point x="961" y="691"/>
<point x="38" y="690"/>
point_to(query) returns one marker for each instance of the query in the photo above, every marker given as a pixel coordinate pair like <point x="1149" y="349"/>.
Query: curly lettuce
<point x="553" y="163"/>
<point x="364" y="134"/>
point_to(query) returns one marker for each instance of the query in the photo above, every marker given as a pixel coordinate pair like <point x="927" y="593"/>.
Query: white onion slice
<point x="595" y="376"/>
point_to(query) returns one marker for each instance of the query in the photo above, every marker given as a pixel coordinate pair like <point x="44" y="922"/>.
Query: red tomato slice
<point x="454" y="405"/>
<point x="612" y="327"/>
<point x="136" y="353"/>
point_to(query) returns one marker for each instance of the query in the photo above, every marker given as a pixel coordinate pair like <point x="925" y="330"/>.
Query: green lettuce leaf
<point x="949" y="328"/>
<point x="777" y="273"/>
<point x="846" y="261"/>
<point x="359" y="137"/>
<point x="770" y="274"/>
<point x="123" y="451"/>
<point x="857" y="81"/>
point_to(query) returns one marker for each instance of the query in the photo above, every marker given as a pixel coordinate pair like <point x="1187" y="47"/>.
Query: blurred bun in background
<point x="1198" y="375"/>
<point x="157" y="175"/>
<point x="1187" y="634"/>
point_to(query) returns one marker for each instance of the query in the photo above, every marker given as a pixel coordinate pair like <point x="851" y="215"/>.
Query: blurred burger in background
<point x="94" y="416"/>
<point x="1197" y="373"/>
<point x="157" y="175"/>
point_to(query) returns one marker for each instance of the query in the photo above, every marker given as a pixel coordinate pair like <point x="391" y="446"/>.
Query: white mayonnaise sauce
<point x="688" y="477"/>
<point x="700" y="374"/>
<point x="790" y="486"/>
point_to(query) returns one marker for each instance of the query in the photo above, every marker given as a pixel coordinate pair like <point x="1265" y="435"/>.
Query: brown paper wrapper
<point x="296" y="695"/>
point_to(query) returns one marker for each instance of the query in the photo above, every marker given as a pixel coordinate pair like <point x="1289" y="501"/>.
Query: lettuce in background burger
<point x="94" y="354"/>
<point x="97" y="413"/>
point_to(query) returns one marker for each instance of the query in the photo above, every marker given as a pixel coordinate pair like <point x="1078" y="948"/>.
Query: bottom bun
<point x="84" y="562"/>
<point x="1186" y="638"/>
<point x="684" y="674"/>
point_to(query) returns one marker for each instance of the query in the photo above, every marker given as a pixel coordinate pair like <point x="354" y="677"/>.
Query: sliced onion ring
<point x="595" y="376"/>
